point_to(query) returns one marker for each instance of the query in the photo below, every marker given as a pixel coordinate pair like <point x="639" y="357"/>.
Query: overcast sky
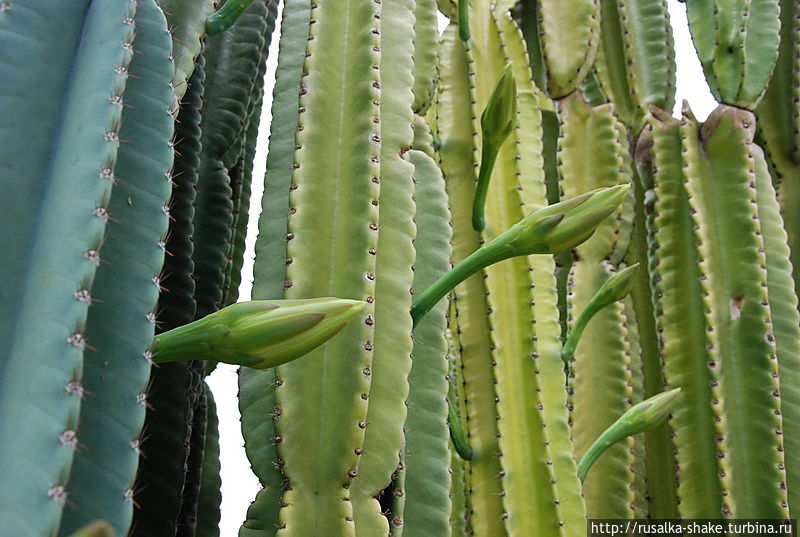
<point x="239" y="485"/>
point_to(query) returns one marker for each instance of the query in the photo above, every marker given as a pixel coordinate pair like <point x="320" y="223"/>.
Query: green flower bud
<point x="226" y="16"/>
<point x="549" y="230"/>
<point x="258" y="334"/>
<point x="100" y="528"/>
<point x="497" y="124"/>
<point x="615" y="288"/>
<point x="497" y="120"/>
<point x="639" y="418"/>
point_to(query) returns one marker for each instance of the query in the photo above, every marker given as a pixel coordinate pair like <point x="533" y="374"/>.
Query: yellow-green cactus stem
<point x="394" y="274"/>
<point x="101" y="528"/>
<point x="592" y="153"/>
<point x="497" y="123"/>
<point x="550" y="230"/>
<point x="257" y="387"/>
<point x="186" y="20"/>
<point x="454" y="128"/>
<point x="721" y="184"/>
<point x="684" y="341"/>
<point x="332" y="232"/>
<point x="259" y="334"/>
<point x="639" y="418"/>
<point x="614" y="289"/>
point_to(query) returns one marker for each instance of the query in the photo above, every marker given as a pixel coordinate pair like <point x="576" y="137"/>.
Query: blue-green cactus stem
<point x="552" y="229"/>
<point x="226" y="16"/>
<point x="614" y="289"/>
<point x="719" y="180"/>
<point x="333" y="229"/>
<point x="639" y="418"/>
<point x="122" y="322"/>
<point x="58" y="146"/>
<point x="186" y="20"/>
<point x="257" y="388"/>
<point x="210" y="497"/>
<point x="255" y="525"/>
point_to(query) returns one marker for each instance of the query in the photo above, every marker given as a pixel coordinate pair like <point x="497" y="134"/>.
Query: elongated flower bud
<point x="497" y="124"/>
<point x="549" y="230"/>
<point x="637" y="419"/>
<point x="258" y="334"/>
<point x="615" y="288"/>
<point x="226" y="16"/>
<point x="101" y="528"/>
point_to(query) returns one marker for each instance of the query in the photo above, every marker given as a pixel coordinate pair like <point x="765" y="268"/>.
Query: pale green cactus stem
<point x="463" y="20"/>
<point x="638" y="419"/>
<point x="616" y="288"/>
<point x="100" y="528"/>
<point x="259" y="334"/>
<point x="497" y="124"/>
<point x="226" y="16"/>
<point x="550" y="230"/>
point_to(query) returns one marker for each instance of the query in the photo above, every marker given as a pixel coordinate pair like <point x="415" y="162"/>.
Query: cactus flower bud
<point x="258" y="334"/>
<point x="549" y="230"/>
<point x="639" y="418"/>
<point x="100" y="528"/>
<point x="497" y="124"/>
<point x="226" y="16"/>
<point x="615" y="288"/>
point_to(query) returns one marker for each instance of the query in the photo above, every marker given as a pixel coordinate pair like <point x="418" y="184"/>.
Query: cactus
<point x="531" y="260"/>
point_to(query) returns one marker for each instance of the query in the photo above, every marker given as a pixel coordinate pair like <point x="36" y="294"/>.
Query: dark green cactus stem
<point x="459" y="439"/>
<point x="550" y="230"/>
<point x="497" y="123"/>
<point x="260" y="334"/>
<point x="226" y="16"/>
<point x="187" y="517"/>
<point x="463" y="20"/>
<point x="210" y="496"/>
<point x="638" y="419"/>
<point x="616" y="288"/>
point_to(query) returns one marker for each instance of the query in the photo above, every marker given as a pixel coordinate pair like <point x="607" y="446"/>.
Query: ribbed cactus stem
<point x="637" y="419"/>
<point x="226" y="16"/>
<point x="616" y="288"/>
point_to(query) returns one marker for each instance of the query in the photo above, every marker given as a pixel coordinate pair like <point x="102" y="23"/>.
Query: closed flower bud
<point x="258" y="334"/>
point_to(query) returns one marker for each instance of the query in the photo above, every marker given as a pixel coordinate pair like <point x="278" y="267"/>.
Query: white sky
<point x="239" y="485"/>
